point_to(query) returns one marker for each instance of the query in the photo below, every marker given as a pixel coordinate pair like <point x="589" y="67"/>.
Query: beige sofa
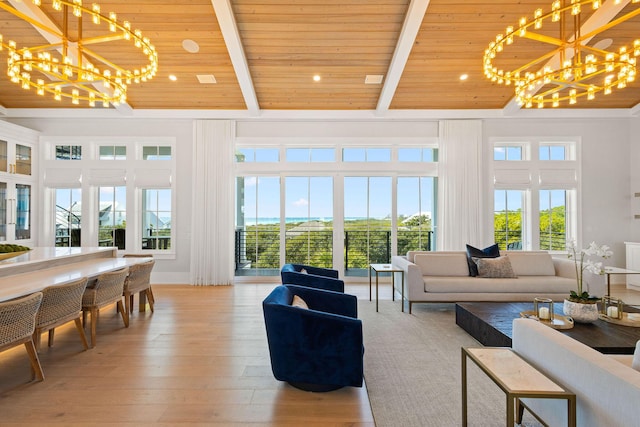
<point x="607" y="388"/>
<point x="443" y="276"/>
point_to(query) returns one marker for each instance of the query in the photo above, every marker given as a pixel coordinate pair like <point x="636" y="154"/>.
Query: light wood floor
<point x="200" y="359"/>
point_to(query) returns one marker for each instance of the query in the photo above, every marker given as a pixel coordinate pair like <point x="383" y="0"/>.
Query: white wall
<point x="610" y="171"/>
<point x="166" y="270"/>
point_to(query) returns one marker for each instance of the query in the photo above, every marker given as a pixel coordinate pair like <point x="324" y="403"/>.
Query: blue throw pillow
<point x="492" y="251"/>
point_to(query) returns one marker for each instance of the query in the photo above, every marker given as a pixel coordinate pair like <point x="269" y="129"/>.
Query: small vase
<point x="581" y="312"/>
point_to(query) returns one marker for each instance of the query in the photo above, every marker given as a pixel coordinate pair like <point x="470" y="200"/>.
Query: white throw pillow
<point x="636" y="357"/>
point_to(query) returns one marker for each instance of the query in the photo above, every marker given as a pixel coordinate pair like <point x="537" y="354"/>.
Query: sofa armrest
<point x="412" y="274"/>
<point x="312" y="280"/>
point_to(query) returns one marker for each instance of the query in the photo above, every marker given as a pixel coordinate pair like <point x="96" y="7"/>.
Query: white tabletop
<point x="618" y="270"/>
<point x="26" y="283"/>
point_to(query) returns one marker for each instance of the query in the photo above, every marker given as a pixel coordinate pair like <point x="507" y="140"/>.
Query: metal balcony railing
<point x="257" y="252"/>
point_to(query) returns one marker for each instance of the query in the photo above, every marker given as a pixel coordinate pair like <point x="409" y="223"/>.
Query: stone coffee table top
<point x="491" y="324"/>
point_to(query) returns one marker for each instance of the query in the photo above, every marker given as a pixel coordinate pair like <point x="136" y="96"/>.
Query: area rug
<point x="412" y="368"/>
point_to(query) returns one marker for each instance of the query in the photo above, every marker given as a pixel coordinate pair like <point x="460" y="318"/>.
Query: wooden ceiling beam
<point x="410" y="28"/>
<point x="229" y="29"/>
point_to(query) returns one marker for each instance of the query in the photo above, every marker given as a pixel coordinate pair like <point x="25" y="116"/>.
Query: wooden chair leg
<point x="152" y="299"/>
<point x="36" y="339"/>
<point x="83" y="337"/>
<point x="51" y="334"/>
<point x="124" y="313"/>
<point x="94" y="321"/>
<point x="128" y="302"/>
<point x="142" y="301"/>
<point x="84" y="318"/>
<point x="36" y="369"/>
<point x="131" y="303"/>
<point x="149" y="298"/>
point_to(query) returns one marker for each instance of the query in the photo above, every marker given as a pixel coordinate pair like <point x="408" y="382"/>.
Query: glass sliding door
<point x="309" y="222"/>
<point x="367" y="223"/>
<point x="416" y="213"/>
<point x="257" y="226"/>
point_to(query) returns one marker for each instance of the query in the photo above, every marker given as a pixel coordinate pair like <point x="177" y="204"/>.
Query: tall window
<point x="553" y="219"/>
<point x="112" y="216"/>
<point x="367" y="223"/>
<point x="68" y="216"/>
<point x="257" y="226"/>
<point x="507" y="218"/>
<point x="416" y="210"/>
<point x="156" y="219"/>
<point x="334" y="206"/>
<point x="309" y="220"/>
<point x="535" y="200"/>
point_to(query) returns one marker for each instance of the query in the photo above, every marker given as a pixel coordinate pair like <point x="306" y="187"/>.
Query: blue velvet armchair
<point x="315" y="349"/>
<point x="315" y="277"/>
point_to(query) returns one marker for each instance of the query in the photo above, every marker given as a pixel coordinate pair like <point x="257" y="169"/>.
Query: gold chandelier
<point x="67" y="67"/>
<point x="571" y="69"/>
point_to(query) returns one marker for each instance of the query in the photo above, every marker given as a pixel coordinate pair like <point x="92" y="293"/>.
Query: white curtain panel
<point x="460" y="184"/>
<point x="212" y="220"/>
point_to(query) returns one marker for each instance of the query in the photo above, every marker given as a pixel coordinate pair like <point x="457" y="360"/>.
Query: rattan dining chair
<point x="139" y="281"/>
<point x="17" y="323"/>
<point x="107" y="290"/>
<point x="150" y="296"/>
<point x="60" y="304"/>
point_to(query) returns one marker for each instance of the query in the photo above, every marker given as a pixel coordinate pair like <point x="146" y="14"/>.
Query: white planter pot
<point x="582" y="313"/>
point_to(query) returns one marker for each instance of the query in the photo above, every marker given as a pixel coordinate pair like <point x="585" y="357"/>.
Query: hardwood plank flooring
<point x="200" y="359"/>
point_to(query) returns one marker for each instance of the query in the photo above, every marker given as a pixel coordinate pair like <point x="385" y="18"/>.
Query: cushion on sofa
<point x="449" y="264"/>
<point x="531" y="263"/>
<point x="519" y="285"/>
<point x="499" y="268"/>
<point x="492" y="251"/>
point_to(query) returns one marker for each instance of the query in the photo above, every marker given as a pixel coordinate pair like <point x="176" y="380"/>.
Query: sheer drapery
<point x="212" y="207"/>
<point x="460" y="184"/>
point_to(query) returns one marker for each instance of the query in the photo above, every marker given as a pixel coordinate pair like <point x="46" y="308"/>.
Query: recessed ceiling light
<point x="373" y="79"/>
<point x="316" y="78"/>
<point x="464" y="77"/>
<point x="172" y="77"/>
<point x="206" y="78"/>
<point x="190" y="46"/>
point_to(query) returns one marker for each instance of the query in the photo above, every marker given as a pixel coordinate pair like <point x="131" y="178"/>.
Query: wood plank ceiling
<point x="284" y="43"/>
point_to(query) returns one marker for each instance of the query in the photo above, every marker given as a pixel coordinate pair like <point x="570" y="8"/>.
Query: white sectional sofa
<point x="443" y="276"/>
<point x="607" y="388"/>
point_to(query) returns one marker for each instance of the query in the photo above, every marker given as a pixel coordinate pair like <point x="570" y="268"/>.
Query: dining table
<point x="28" y="282"/>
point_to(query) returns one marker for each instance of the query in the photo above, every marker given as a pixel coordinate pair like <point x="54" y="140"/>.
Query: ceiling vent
<point x="373" y="79"/>
<point x="206" y="78"/>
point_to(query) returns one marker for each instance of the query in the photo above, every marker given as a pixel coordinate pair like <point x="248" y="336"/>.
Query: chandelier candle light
<point x="571" y="69"/>
<point x="67" y="67"/>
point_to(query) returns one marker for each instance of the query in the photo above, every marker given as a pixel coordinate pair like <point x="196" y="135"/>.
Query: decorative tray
<point x="633" y="321"/>
<point x="559" y="321"/>
<point x="7" y="255"/>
